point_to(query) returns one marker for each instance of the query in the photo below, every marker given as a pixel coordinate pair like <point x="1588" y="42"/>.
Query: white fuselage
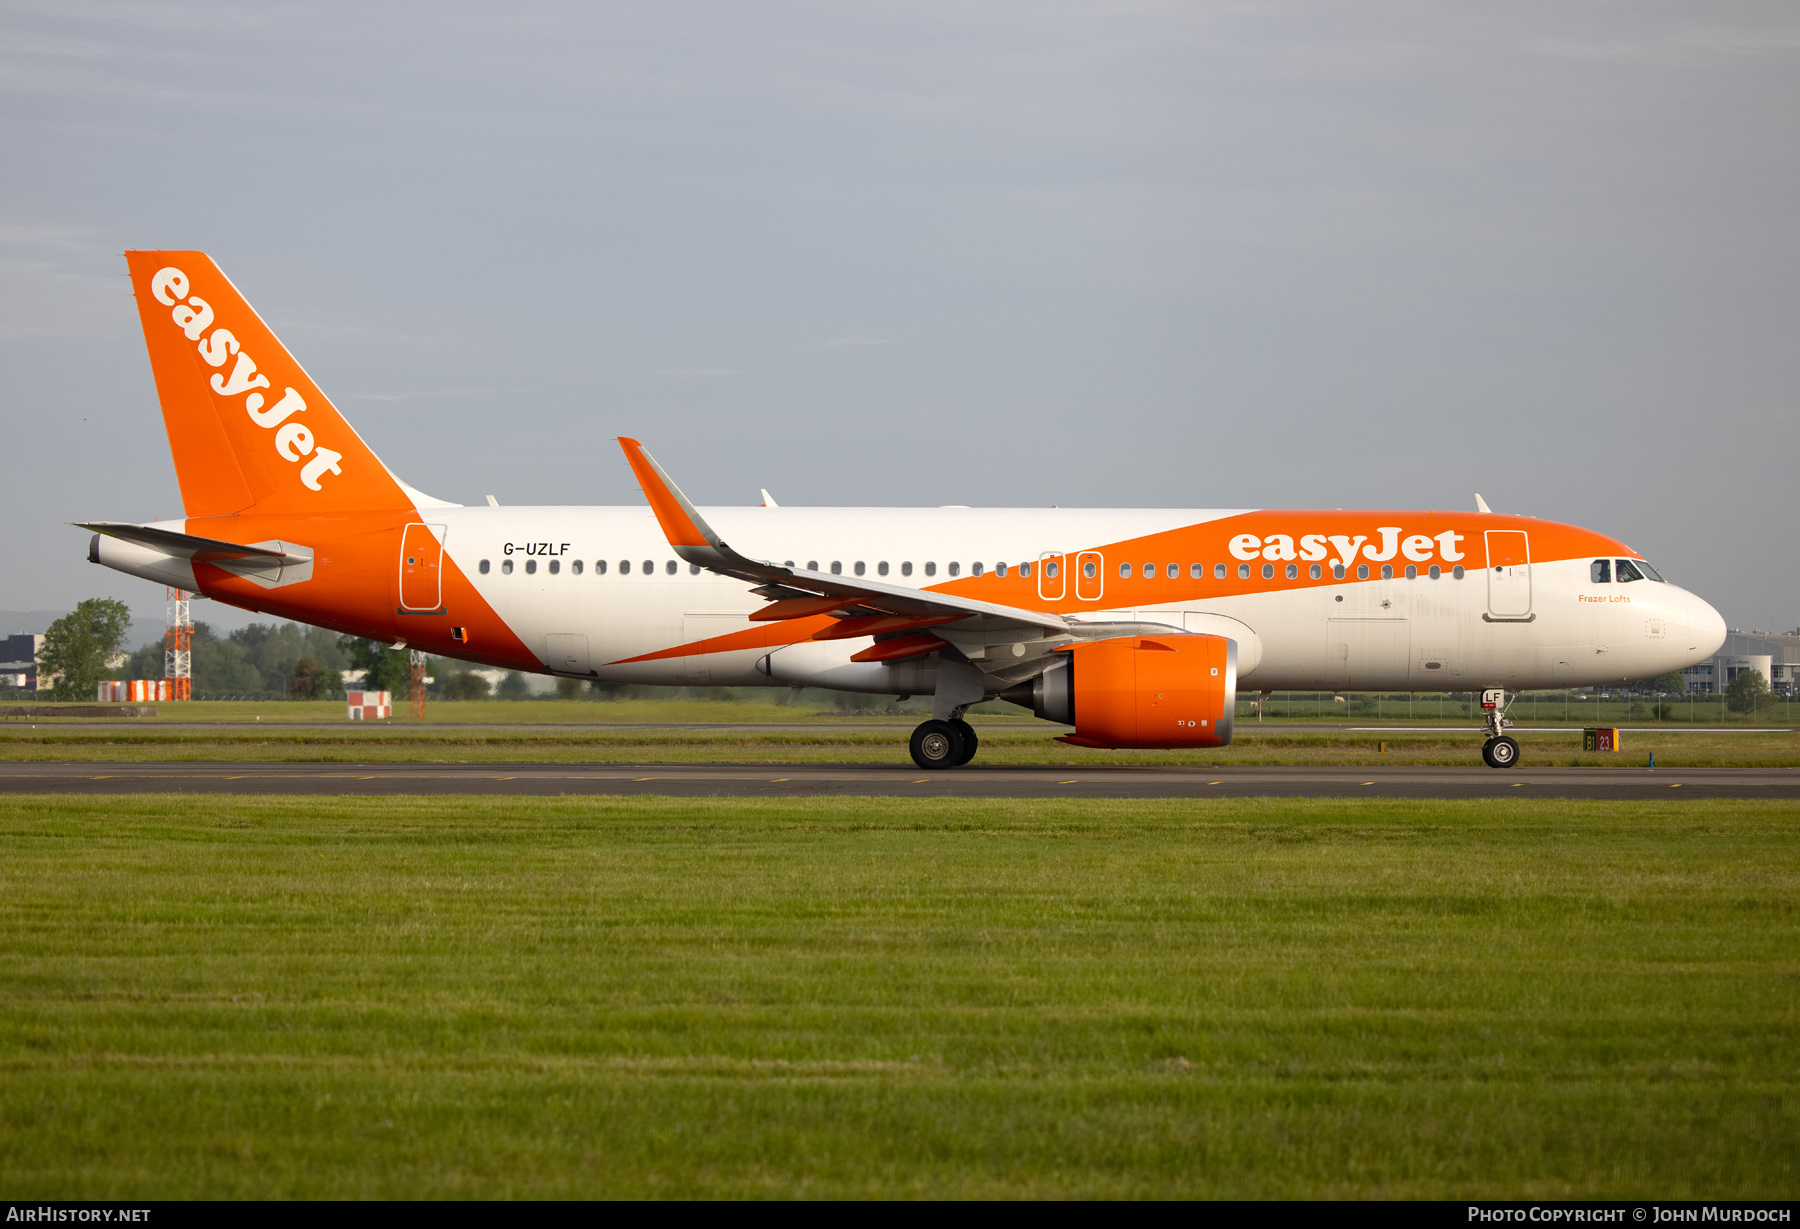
<point x="1417" y="635"/>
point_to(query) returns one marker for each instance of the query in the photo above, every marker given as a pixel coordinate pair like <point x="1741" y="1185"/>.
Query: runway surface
<point x="975" y="781"/>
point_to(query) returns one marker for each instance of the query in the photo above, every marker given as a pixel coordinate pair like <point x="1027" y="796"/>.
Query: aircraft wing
<point x="796" y="592"/>
<point x="187" y="546"/>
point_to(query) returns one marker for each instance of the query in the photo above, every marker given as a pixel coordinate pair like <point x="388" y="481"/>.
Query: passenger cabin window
<point x="974" y="569"/>
<point x="1337" y="571"/>
<point x="956" y="569"/>
<point x="599" y="567"/>
<point x="1051" y="570"/>
<point x="1198" y="571"/>
<point x="484" y="567"/>
<point x="1600" y="572"/>
<point x="1435" y="572"/>
<point x="1627" y="571"/>
<point x="624" y="567"/>
<point x="931" y="569"/>
<point x="1089" y="570"/>
<point x="881" y="568"/>
<point x="555" y="566"/>
<point x="1000" y="570"/>
<point x="1387" y="571"/>
<point x="1362" y="571"/>
<point x="1268" y="571"/>
<point x="1314" y="571"/>
<point x="1412" y="571"/>
<point x="1218" y="571"/>
<point x="531" y="567"/>
<point x="506" y="567"/>
<point x="1293" y="571"/>
<point x="1149" y="571"/>
<point x="1457" y="572"/>
<point x="575" y="567"/>
<point x="906" y="568"/>
<point x="1174" y="571"/>
<point x="1124" y="571"/>
<point x="1025" y="570"/>
<point x="861" y="567"/>
<point x="649" y="567"/>
<point x="670" y="567"/>
<point x="812" y="565"/>
<point x="1243" y="571"/>
<point x="837" y="567"/>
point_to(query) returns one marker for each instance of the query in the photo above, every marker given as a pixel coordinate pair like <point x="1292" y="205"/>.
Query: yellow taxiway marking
<point x="772" y="780"/>
<point x="635" y="778"/>
<point x="1676" y="786"/>
<point x="1368" y="782"/>
<point x="1069" y="782"/>
<point x="922" y="781"/>
<point x="1215" y="782"/>
<point x="1517" y="784"/>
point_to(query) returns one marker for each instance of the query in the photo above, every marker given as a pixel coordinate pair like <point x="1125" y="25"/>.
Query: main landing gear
<point x="944" y="744"/>
<point x="1499" y="751"/>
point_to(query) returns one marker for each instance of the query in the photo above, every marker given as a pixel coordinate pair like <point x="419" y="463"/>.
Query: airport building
<point x="1774" y="655"/>
<point x="18" y="660"/>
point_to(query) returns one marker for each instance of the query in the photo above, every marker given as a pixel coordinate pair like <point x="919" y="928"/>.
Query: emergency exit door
<point x="421" y="567"/>
<point x="1509" y="574"/>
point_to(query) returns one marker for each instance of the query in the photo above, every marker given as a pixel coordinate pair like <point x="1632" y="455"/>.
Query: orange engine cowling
<point x="1175" y="690"/>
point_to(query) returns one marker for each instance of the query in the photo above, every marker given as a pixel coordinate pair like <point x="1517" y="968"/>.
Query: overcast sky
<point x="1164" y="255"/>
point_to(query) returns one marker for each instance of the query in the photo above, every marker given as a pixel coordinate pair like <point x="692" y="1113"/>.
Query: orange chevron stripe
<point x="777" y="636"/>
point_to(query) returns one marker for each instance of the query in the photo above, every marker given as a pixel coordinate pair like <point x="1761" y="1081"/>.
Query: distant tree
<point x="309" y="681"/>
<point x="384" y="669"/>
<point x="1674" y="681"/>
<point x="77" y="646"/>
<point x="1748" y="692"/>
<point x="513" y="687"/>
<point x="569" y="689"/>
<point x="465" y="686"/>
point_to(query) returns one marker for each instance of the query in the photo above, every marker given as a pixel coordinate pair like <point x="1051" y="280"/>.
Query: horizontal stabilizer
<point x="187" y="546"/>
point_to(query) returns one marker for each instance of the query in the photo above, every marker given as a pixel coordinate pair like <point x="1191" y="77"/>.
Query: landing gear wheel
<point x="971" y="740"/>
<point x="937" y="744"/>
<point x="1500" y="752"/>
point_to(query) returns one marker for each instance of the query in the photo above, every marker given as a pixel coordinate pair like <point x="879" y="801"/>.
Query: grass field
<point x="559" y="997"/>
<point x="1033" y="743"/>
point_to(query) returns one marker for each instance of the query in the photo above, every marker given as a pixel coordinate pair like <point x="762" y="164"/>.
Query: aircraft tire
<point x="1500" y="752"/>
<point x="936" y="744"/>
<point x="971" y="740"/>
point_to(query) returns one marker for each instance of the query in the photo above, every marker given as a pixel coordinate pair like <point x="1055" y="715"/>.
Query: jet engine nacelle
<point x="1178" y="690"/>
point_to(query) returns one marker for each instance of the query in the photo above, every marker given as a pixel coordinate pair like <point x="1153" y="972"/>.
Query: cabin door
<point x="1509" y="574"/>
<point x="421" y="567"/>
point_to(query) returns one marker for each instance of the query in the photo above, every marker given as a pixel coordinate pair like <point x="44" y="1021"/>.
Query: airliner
<point x="1136" y="627"/>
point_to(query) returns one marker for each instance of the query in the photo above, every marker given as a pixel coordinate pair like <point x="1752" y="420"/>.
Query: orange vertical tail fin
<point x="248" y="427"/>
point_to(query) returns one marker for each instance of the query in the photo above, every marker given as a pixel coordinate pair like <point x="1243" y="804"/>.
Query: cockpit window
<point x="1628" y="572"/>
<point x="1600" y="572"/>
<point x="1650" y="573"/>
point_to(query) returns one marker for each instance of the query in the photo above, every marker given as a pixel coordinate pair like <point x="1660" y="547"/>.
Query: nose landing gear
<point x="1500" y="750"/>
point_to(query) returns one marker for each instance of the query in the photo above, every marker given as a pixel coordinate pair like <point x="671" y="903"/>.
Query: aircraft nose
<point x="1706" y="629"/>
